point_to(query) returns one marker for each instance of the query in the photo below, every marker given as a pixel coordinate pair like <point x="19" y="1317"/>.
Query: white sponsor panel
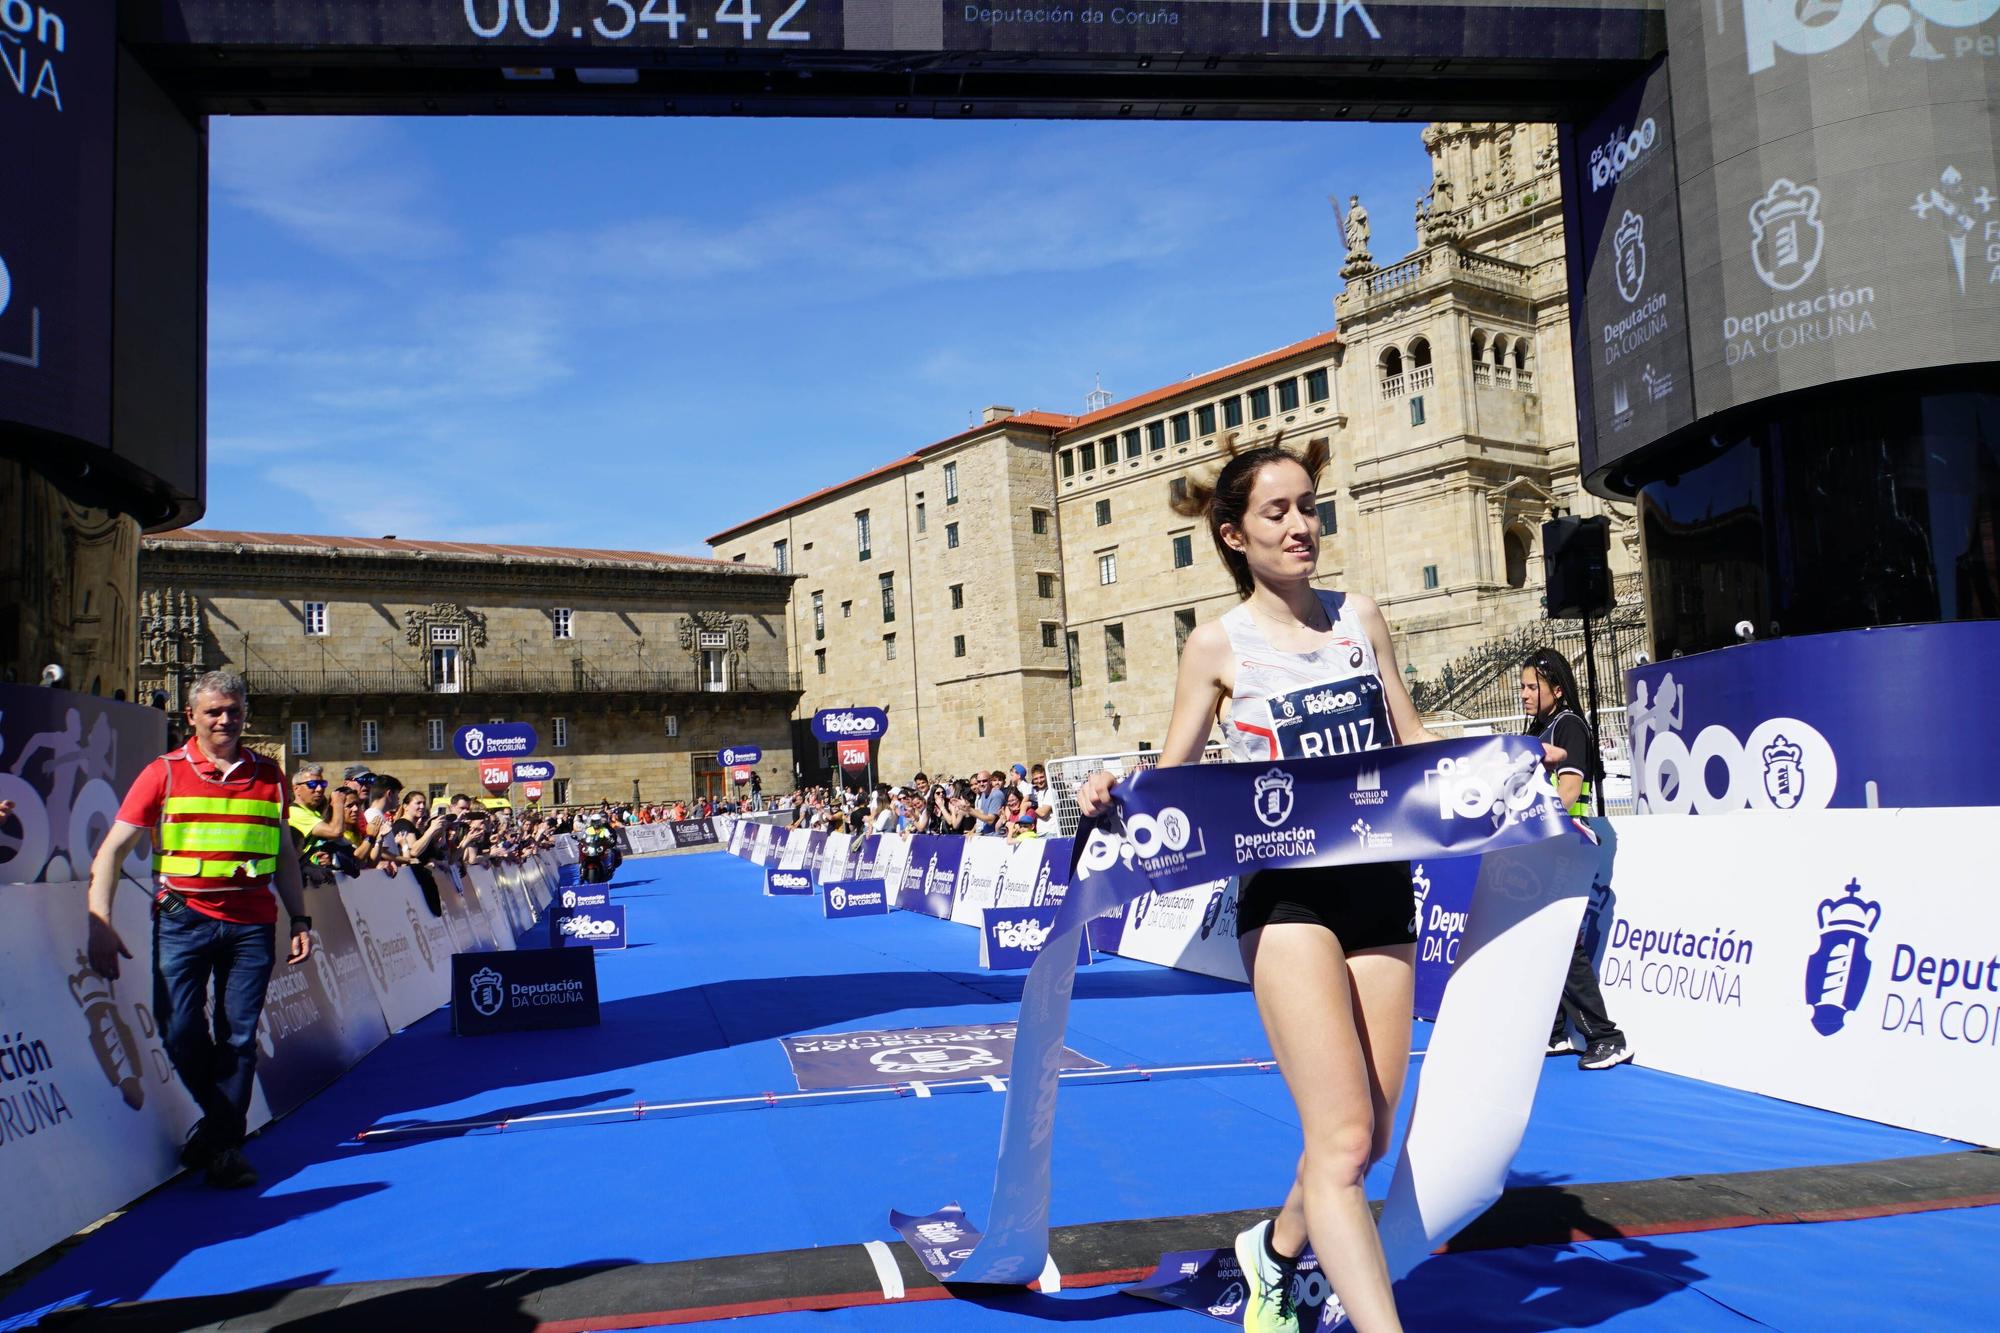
<point x="892" y="858"/>
<point x="408" y="951"/>
<point x="834" y="857"/>
<point x="487" y="906"/>
<point x="980" y="871"/>
<point x="91" y="1113"/>
<point x="566" y="853"/>
<point x="794" y="855"/>
<point x="649" y="838"/>
<point x="1028" y="866"/>
<point x="1844" y="959"/>
<point x="1191" y="929"/>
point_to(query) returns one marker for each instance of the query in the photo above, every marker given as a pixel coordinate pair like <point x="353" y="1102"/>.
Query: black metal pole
<point x="1590" y="675"/>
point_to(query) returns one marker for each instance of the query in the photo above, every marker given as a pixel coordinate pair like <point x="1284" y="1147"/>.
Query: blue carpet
<point x="693" y="1010"/>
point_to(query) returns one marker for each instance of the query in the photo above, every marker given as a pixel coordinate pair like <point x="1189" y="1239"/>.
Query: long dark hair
<point x="1555" y="671"/>
<point x="1226" y="499"/>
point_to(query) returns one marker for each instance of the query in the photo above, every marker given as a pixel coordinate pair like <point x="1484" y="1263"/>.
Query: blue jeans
<point x="215" y="1058"/>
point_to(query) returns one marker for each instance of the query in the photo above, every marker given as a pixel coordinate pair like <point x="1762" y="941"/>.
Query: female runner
<point x="1329" y="950"/>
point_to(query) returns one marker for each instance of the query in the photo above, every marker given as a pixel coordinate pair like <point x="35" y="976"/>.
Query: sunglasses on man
<point x="312" y="784"/>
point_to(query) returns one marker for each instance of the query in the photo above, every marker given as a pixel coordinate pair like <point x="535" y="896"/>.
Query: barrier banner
<point x="1443" y="890"/>
<point x="1032" y="869"/>
<point x="1861" y="947"/>
<point x="647" y="838"/>
<point x="1852" y="719"/>
<point x="836" y="857"/>
<point x="930" y="874"/>
<point x="1210" y="1282"/>
<point x="70" y="758"/>
<point x="1488" y="796"/>
<point x="854" y="897"/>
<point x="320" y="1016"/>
<point x="693" y="832"/>
<point x="566" y="853"/>
<point x="526" y="990"/>
<point x="787" y="883"/>
<point x="463" y="914"/>
<point x="1012" y="937"/>
<point x="892" y="859"/>
<point x="980" y="871"/>
<point x="793" y="854"/>
<point x="942" y="1240"/>
<point x="487" y="908"/>
<point x="739" y="838"/>
<point x="912" y="1055"/>
<point x="599" y="927"/>
<point x="1192" y="929"/>
<point x="408" y="951"/>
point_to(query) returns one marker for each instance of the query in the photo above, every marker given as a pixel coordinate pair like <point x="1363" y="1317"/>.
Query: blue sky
<point x="632" y="333"/>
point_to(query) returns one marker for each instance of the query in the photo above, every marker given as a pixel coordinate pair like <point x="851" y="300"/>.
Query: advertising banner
<point x="648" y="838"/>
<point x="1443" y="893"/>
<point x="731" y="756"/>
<point x="848" y="724"/>
<point x="494" y="740"/>
<point x="1858" y="945"/>
<point x="930" y="874"/>
<point x="1824" y="720"/>
<point x="981" y="869"/>
<point x="1012" y="937"/>
<point x="463" y="916"/>
<point x="523" y="991"/>
<point x="1488" y="797"/>
<point x="854" y="897"/>
<point x="69" y="759"/>
<point x="891" y="858"/>
<point x="796" y="845"/>
<point x="487" y="906"/>
<point x="496" y="777"/>
<point x="1035" y="872"/>
<point x="320" y="1016"/>
<point x="912" y="1055"/>
<point x="93" y="1113"/>
<point x="601" y="927"/>
<point x="408" y="951"/>
<point x="942" y="1240"/>
<point x="1193" y="929"/>
<point x="780" y="883"/>
<point x="693" y="832"/>
<point x="853" y="755"/>
<point x="534" y="770"/>
<point x="1210" y="1282"/>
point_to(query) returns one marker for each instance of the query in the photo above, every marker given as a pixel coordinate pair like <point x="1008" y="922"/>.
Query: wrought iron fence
<point x="473" y="679"/>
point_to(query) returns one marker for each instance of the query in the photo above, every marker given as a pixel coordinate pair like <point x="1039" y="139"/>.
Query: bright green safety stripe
<point x="1583" y="804"/>
<point x="194" y="868"/>
<point x="220" y="805"/>
<point x="219" y="838"/>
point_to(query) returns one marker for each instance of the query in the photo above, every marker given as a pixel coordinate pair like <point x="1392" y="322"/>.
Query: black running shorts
<point x="1365" y="906"/>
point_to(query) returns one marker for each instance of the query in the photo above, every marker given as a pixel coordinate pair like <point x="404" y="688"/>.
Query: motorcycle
<point x="597" y="859"/>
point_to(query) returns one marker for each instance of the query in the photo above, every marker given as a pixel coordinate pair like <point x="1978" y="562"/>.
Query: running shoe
<point x="231" y="1170"/>
<point x="1562" y="1045"/>
<point x="1268" y="1308"/>
<point x="197" y="1152"/>
<point x="1605" y="1053"/>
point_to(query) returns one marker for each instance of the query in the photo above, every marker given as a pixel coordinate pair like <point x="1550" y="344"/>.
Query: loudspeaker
<point x="1576" y="560"/>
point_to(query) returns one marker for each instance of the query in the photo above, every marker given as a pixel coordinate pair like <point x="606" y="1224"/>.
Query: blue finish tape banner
<point x="1175" y="827"/>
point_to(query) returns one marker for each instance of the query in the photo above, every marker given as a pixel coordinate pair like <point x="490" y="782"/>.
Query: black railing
<point x="1485" y="683"/>
<point x="516" y="680"/>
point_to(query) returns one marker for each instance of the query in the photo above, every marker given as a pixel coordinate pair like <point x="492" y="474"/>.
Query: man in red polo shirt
<point x="216" y="812"/>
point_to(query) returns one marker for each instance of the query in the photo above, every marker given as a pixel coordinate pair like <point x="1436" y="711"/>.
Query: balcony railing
<point x="1487" y="376"/>
<point x="477" y="680"/>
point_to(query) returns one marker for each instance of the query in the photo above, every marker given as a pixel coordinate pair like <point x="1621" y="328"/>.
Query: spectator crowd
<point x="1012" y="802"/>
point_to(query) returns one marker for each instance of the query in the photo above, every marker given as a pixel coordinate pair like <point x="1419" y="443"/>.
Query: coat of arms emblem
<point x="489" y="992"/>
<point x="1786" y="235"/>
<point x="1628" y="246"/>
<point x="1273" y="798"/>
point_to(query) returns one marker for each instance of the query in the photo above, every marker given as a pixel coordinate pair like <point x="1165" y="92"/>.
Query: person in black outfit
<point x="1548" y="691"/>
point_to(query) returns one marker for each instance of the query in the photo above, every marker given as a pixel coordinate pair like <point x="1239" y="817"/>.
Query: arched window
<point x="1499" y="349"/>
<point x="1515" y="545"/>
<point x="1420" y="352"/>
<point x="1478" y="345"/>
<point x="1520" y="354"/>
<point x="1392" y="363"/>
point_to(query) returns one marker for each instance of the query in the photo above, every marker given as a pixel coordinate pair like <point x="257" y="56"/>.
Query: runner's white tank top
<point x="1299" y="705"/>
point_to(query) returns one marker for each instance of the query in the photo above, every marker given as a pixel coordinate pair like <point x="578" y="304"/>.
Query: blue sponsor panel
<point x="494" y="740"/>
<point x="1903" y="716"/>
<point x="854" y="897"/>
<point x="70" y="758"/>
<point x="1211" y="1282"/>
<point x="693" y="832"/>
<point x="731" y="756"/>
<point x="524" y="990"/>
<point x="600" y="927"/>
<point x="850" y="724"/>
<point x="930" y="877"/>
<point x="787" y="883"/>
<point x="941" y="1240"/>
<point x="534" y="770"/>
<point x="1443" y="893"/>
<point x="1012" y="937"/>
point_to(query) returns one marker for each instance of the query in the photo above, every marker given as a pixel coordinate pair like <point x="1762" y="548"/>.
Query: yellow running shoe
<point x="1268" y="1308"/>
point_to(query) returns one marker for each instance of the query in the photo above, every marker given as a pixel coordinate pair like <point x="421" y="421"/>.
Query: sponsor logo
<point x="1957" y="216"/>
<point x="1220" y="912"/>
<point x="1784" y="777"/>
<point x="1786" y="236"/>
<point x="1272" y="801"/>
<point x="1160" y="842"/>
<point x="475" y="742"/>
<point x="489" y="992"/>
<point x="1504" y="791"/>
<point x="1628" y="245"/>
<point x="1837" y="972"/>
<point x="1368" y="788"/>
<point x="1028" y="935"/>
<point x="1610" y="160"/>
<point x="836" y="898"/>
<point x="370" y="952"/>
<point x="1420" y="892"/>
<point x="940" y="1233"/>
<point x="1659" y="383"/>
<point x="1818" y="26"/>
<point x="1786" y="764"/>
<point x="111" y="1040"/>
<point x="785" y="879"/>
<point x="423" y="937"/>
<point x="935" y="1060"/>
<point x="1366" y="835"/>
<point x="847" y="724"/>
<point x="589" y="927"/>
<point x="1229" y="1302"/>
<point x="1621" y="406"/>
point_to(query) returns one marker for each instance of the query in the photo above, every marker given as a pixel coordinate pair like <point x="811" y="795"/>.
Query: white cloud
<point x="343" y="186"/>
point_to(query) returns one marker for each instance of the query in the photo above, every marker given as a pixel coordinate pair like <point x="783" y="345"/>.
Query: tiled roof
<point x="1057" y="422"/>
<point x="385" y="546"/>
<point x="1330" y="338"/>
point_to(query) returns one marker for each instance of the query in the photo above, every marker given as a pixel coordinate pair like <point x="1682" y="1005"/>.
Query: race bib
<point x="1341" y="718"/>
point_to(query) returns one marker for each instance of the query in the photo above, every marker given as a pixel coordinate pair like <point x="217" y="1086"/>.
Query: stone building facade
<point x="633" y="668"/>
<point x="1446" y="399"/>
